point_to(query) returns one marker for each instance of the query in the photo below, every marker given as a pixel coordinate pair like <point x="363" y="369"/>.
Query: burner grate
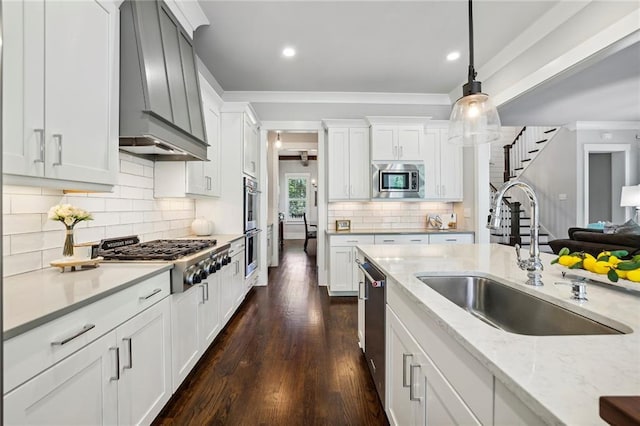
<point x="158" y="250"/>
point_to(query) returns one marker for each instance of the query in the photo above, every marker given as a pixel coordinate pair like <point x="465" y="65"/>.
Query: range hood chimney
<point x="160" y="106"/>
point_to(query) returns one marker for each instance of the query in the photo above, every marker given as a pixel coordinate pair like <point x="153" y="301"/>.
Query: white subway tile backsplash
<point x="19" y="263"/>
<point x="19" y="224"/>
<point x="131" y="168"/>
<point x="31" y="240"/>
<point x="33" y="204"/>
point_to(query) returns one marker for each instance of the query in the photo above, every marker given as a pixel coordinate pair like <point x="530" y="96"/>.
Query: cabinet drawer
<point x="237" y="246"/>
<point x="350" y="240"/>
<point x="35" y="350"/>
<point x="450" y="238"/>
<point x="402" y="239"/>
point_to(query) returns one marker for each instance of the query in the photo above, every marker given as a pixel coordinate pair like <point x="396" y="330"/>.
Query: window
<point x="297" y="196"/>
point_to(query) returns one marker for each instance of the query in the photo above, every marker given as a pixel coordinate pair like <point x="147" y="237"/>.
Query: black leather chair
<point x="309" y="234"/>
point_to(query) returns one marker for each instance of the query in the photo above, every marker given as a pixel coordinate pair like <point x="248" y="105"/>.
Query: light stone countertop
<point x="402" y="231"/>
<point x="560" y="378"/>
<point x="221" y="239"/>
<point x="35" y="298"/>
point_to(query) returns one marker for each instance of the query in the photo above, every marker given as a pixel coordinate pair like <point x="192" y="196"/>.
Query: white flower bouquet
<point x="69" y="216"/>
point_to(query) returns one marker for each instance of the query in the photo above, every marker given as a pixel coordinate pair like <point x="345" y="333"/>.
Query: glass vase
<point x="67" y="250"/>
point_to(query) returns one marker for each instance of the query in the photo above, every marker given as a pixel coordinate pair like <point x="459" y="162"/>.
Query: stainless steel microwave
<point x="397" y="180"/>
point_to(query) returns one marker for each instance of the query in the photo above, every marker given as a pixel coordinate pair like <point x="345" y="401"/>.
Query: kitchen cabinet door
<point x="359" y="170"/>
<point x="185" y="343"/>
<point x="250" y="139"/>
<point x="211" y="168"/>
<point x="432" y="164"/>
<point x="145" y="364"/>
<point x="231" y="284"/>
<point x="450" y="168"/>
<point x="81" y="91"/>
<point x="402" y="352"/>
<point x="443" y="167"/>
<point x="410" y="140"/>
<point x="209" y="310"/>
<point x="61" y="63"/>
<point x="341" y="269"/>
<point x="338" y="164"/>
<point x="384" y="143"/>
<point x="81" y="389"/>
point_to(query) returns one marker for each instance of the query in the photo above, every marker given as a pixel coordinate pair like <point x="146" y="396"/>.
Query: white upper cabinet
<point x="396" y="142"/>
<point x="195" y="178"/>
<point x="60" y="93"/>
<point x="443" y="167"/>
<point x="349" y="176"/>
<point x="251" y="149"/>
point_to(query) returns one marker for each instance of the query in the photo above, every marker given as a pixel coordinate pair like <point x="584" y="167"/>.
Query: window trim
<point x="287" y="176"/>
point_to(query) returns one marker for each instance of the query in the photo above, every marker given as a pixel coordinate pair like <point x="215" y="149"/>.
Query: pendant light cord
<point x="472" y="71"/>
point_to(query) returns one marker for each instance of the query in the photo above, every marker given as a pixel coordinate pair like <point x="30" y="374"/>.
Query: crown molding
<point x="338" y="97"/>
<point x="603" y="125"/>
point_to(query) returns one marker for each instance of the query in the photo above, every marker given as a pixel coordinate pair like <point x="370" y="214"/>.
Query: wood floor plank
<point x="288" y="357"/>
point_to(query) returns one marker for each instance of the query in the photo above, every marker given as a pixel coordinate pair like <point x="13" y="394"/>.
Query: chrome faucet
<point x="533" y="265"/>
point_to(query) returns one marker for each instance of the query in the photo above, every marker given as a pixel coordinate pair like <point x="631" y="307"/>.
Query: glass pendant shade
<point x="474" y="121"/>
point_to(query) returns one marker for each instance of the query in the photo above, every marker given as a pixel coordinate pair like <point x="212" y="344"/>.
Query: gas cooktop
<point x="157" y="250"/>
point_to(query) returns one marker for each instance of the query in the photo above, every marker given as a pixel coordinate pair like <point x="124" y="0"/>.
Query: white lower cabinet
<point x="185" y="340"/>
<point x="144" y="344"/>
<point x="209" y="310"/>
<point x="82" y="389"/>
<point x="418" y="394"/>
<point x="121" y="378"/>
<point x="343" y="269"/>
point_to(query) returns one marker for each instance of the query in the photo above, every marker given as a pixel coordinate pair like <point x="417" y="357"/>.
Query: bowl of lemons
<point x="616" y="266"/>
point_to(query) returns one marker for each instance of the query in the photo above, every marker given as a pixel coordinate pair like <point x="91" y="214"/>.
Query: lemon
<point x="604" y="253"/>
<point x="614" y="260"/>
<point x="634" y="275"/>
<point x="588" y="263"/>
<point x="567" y="260"/>
<point x="601" y="267"/>
<point x="621" y="274"/>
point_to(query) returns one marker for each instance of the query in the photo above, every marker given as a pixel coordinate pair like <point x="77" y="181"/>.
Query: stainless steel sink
<point x="512" y="310"/>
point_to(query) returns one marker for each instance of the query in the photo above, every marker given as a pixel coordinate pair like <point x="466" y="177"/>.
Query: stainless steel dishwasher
<point x="375" y="296"/>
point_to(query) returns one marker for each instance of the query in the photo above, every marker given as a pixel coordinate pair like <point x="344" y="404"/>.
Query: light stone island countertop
<point x="400" y="231"/>
<point x="560" y="378"/>
<point x="35" y="298"/>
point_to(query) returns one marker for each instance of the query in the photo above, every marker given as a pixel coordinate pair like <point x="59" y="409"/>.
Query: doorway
<point x="606" y="172"/>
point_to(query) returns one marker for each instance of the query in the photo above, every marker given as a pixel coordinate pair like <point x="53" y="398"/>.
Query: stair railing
<point x="519" y="153"/>
<point x="512" y="156"/>
<point x="509" y="228"/>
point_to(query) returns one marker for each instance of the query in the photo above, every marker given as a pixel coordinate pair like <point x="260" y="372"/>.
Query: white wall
<point x="296" y="230"/>
<point x="558" y="171"/>
<point x="31" y="240"/>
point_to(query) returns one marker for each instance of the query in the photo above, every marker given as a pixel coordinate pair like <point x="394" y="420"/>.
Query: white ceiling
<point x="399" y="47"/>
<point x="354" y="46"/>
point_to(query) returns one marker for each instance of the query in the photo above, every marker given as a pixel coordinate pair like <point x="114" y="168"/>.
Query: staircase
<point x="516" y="226"/>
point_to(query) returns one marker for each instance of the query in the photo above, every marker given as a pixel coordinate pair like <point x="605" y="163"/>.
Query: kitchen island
<point x="558" y="378"/>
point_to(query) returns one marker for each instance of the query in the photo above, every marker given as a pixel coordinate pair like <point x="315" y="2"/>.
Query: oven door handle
<point x="253" y="232"/>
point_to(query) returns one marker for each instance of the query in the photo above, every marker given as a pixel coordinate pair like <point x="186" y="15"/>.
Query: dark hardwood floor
<point x="288" y="357"/>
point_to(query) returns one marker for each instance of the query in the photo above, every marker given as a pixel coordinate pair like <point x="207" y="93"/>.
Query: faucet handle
<point x="522" y="264"/>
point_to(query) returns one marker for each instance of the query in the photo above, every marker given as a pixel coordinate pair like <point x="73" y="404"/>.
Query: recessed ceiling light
<point x="453" y="56"/>
<point x="289" y="52"/>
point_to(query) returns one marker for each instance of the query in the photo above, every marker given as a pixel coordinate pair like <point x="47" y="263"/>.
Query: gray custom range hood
<point x="160" y="107"/>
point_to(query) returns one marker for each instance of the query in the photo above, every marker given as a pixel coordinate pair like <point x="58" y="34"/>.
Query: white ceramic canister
<point x="201" y="226"/>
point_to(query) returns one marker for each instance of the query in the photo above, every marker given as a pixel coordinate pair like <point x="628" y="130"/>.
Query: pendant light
<point x="474" y="119"/>
<point x="278" y="143"/>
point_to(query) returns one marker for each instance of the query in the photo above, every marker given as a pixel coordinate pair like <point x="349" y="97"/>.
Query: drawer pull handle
<point x="388" y="241"/>
<point x="352" y="241"/>
<point x="451" y="239"/>
<point x="411" y="384"/>
<point x="70" y="338"/>
<point x="58" y="139"/>
<point x="415" y="241"/>
<point x="40" y="133"/>
<point x="404" y="370"/>
<point x="117" y="376"/>
<point x="150" y="295"/>
<point x="130" y="366"/>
